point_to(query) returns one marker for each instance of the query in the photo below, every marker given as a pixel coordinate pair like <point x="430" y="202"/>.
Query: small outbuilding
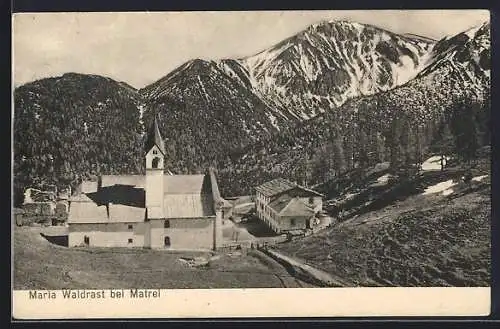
<point x="19" y="216"/>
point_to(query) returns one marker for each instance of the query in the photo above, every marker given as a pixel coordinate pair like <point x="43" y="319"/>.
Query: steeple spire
<point x="154" y="137"/>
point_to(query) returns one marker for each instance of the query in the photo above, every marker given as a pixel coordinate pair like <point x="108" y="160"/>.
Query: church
<point x="155" y="210"/>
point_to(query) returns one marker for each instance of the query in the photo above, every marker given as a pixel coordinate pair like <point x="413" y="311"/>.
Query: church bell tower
<point x="155" y="161"/>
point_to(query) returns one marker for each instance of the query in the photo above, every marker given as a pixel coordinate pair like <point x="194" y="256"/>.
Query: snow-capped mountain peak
<point x="332" y="61"/>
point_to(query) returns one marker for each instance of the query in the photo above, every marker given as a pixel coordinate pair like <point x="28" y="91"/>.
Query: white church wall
<point x="107" y="234"/>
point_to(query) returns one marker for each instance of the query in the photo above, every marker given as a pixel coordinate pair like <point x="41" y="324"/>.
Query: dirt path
<point x="287" y="280"/>
<point x="313" y="273"/>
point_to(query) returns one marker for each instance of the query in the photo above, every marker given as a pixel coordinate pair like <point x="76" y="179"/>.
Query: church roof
<point x="186" y="184"/>
<point x="121" y="198"/>
<point x="172" y="184"/>
<point x="154" y="137"/>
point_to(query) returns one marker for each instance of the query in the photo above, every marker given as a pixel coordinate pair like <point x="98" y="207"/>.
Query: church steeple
<point x="154" y="137"/>
<point x="155" y="162"/>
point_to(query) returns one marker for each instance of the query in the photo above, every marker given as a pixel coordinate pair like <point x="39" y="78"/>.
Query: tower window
<point x="166" y="224"/>
<point x="130" y="240"/>
<point x="155" y="152"/>
<point x="155" y="163"/>
<point x="130" y="226"/>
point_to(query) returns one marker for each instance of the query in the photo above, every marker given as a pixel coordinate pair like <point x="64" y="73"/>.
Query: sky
<point x="140" y="48"/>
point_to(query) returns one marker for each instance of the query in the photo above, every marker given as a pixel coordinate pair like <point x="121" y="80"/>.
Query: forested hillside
<point x="74" y="126"/>
<point x="224" y="114"/>
<point x="204" y="113"/>
<point x="447" y="107"/>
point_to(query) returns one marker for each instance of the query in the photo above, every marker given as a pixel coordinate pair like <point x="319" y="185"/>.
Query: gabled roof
<point x="186" y="184"/>
<point x="173" y="184"/>
<point x="280" y="185"/>
<point x="275" y="186"/>
<point x="92" y="213"/>
<point x="119" y="213"/>
<point x="286" y="205"/>
<point x="280" y="202"/>
<point x="154" y="137"/>
<point x="121" y="198"/>
<point x="187" y="206"/>
<point x="87" y="212"/>
<point x="297" y="207"/>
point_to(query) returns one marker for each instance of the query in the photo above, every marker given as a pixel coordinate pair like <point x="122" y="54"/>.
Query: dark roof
<point x="154" y="137"/>
<point x="275" y="186"/>
<point x="280" y="185"/>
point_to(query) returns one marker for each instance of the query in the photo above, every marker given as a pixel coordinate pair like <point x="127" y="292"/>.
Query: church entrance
<point x="167" y="241"/>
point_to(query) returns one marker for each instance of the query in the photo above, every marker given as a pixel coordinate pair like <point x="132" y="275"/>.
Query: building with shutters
<point x="287" y="207"/>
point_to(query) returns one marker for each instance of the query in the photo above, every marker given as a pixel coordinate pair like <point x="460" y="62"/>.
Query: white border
<point x="279" y="302"/>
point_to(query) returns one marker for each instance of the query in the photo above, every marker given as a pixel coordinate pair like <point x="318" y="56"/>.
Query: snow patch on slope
<point x="445" y="188"/>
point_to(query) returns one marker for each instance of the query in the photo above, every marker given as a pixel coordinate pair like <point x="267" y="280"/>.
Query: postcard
<point x="317" y="163"/>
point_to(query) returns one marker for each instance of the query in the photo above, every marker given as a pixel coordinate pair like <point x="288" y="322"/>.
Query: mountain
<point x="465" y="57"/>
<point x="309" y="73"/>
<point x="73" y="126"/>
<point x="396" y="125"/>
<point x="328" y="63"/>
<point x="207" y="111"/>
<point x="330" y="98"/>
<point x="214" y="108"/>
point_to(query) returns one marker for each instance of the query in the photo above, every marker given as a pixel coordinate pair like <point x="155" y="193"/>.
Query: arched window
<point x="156" y="162"/>
<point x="167" y="241"/>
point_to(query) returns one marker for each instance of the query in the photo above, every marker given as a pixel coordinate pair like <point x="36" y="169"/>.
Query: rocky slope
<point x="383" y="125"/>
<point x="331" y="62"/>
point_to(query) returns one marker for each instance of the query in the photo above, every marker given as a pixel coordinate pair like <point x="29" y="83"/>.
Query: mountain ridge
<point x="212" y="110"/>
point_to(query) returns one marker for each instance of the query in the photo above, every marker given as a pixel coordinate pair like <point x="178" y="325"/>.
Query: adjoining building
<point x="227" y="210"/>
<point x="155" y="210"/>
<point x="287" y="207"/>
